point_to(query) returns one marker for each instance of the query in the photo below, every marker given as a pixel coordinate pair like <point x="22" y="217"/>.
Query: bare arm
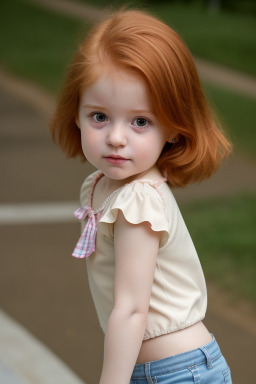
<point x="136" y="248"/>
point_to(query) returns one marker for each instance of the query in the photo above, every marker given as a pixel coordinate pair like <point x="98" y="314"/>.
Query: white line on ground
<point x="37" y="213"/>
<point x="26" y="360"/>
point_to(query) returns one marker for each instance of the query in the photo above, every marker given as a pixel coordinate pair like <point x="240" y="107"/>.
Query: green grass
<point x="223" y="231"/>
<point x="114" y="3"/>
<point x="36" y="43"/>
<point x="238" y="115"/>
<point x="225" y="38"/>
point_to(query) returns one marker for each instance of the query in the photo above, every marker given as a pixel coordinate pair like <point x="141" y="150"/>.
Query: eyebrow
<point x="94" y="107"/>
<point x="142" y="111"/>
<point x="136" y="111"/>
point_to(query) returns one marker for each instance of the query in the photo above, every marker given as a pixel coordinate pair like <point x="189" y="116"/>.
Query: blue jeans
<point x="204" y="365"/>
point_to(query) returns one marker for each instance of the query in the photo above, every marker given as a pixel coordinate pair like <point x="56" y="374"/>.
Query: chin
<point x="117" y="174"/>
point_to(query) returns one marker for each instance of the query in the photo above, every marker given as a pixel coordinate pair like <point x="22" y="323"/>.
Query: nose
<point x="116" y="136"/>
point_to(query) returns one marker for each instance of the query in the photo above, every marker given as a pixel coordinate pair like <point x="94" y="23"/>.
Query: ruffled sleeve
<point x="139" y="202"/>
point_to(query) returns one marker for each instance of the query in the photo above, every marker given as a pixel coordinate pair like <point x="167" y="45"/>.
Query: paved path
<point x="25" y="360"/>
<point x="46" y="290"/>
<point x="42" y="286"/>
<point x="225" y="182"/>
<point x="209" y="72"/>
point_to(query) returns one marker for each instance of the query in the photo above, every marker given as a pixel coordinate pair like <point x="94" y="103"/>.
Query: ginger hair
<point x="135" y="40"/>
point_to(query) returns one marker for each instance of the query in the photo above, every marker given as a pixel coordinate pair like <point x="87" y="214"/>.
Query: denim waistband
<point x="207" y="353"/>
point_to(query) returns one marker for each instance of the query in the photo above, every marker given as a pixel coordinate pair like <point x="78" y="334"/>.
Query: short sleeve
<point x="139" y="202"/>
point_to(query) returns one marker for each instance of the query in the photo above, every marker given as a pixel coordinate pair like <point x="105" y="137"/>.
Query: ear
<point x="173" y="139"/>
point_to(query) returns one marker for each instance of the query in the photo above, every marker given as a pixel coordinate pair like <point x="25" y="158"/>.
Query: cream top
<point x="179" y="296"/>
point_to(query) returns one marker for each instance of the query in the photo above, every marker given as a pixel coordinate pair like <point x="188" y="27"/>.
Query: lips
<point x="115" y="159"/>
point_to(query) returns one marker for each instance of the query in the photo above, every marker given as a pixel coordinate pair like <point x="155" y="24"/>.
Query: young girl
<point x="133" y="107"/>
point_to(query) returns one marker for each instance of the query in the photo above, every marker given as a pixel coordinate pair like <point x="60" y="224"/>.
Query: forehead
<point x="118" y="85"/>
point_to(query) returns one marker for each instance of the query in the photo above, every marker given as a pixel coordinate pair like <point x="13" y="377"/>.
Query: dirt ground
<point x="41" y="285"/>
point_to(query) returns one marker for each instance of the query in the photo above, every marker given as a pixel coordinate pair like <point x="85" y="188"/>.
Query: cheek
<point x="89" y="142"/>
<point x="151" y="147"/>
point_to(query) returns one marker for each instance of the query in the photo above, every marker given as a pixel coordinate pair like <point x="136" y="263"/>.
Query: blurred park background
<point x="40" y="285"/>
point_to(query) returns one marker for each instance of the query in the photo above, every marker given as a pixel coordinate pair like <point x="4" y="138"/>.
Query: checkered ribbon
<point x="86" y="244"/>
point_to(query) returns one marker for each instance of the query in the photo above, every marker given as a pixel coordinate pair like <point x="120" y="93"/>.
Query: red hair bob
<point x="135" y="40"/>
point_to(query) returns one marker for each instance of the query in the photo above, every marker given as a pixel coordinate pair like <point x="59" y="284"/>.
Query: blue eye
<point x="99" y="117"/>
<point x="140" y="122"/>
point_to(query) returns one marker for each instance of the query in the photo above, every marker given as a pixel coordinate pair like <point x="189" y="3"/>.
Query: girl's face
<point x="119" y="132"/>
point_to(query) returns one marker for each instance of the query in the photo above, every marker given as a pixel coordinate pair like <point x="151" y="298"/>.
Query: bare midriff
<point x="174" y="343"/>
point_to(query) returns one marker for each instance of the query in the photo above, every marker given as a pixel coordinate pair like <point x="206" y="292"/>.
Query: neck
<point x="110" y="184"/>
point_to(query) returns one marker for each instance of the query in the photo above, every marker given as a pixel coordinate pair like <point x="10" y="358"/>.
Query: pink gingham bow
<point x="86" y="244"/>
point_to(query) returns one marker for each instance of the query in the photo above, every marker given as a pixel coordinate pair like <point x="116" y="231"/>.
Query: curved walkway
<point x="25" y="360"/>
<point x="212" y="73"/>
<point x="224" y="182"/>
<point x="40" y="285"/>
<point x="55" y="310"/>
